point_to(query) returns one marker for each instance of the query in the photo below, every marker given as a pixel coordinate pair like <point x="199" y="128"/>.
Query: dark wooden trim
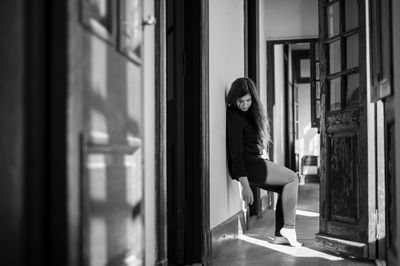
<point x="246" y="36"/>
<point x="227" y="232"/>
<point x="271" y="94"/>
<point x="36" y="55"/>
<point x="287" y="108"/>
<point x="350" y="248"/>
<point x="290" y="41"/>
<point x="205" y="152"/>
<point x="161" y="133"/>
<point x="298" y="55"/>
<point x="343" y="73"/>
<point x="252" y="70"/>
<point x="59" y="249"/>
<point x="331" y="2"/>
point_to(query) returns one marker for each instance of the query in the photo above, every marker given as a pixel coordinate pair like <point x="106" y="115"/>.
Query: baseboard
<point x="350" y="248"/>
<point x="226" y="232"/>
<point x="161" y="263"/>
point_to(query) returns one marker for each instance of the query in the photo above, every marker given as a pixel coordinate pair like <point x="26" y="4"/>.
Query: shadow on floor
<point x="254" y="247"/>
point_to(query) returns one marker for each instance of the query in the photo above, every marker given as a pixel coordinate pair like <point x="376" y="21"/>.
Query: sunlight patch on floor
<point x="307" y="213"/>
<point x="302" y="252"/>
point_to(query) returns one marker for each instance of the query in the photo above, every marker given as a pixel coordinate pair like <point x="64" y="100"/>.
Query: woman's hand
<point x="265" y="155"/>
<point x="247" y="193"/>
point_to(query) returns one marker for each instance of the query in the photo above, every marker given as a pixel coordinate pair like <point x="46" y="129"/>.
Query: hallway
<point x="254" y="247"/>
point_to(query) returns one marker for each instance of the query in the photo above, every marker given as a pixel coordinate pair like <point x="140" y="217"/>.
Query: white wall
<point x="288" y="19"/>
<point x="226" y="61"/>
<point x="278" y="109"/>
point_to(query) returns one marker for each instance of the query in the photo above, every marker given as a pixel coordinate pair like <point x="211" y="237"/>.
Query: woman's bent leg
<point x="278" y="215"/>
<point x="275" y="175"/>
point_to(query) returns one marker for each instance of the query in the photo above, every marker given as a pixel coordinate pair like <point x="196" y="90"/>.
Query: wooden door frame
<point x="252" y="70"/>
<point x="362" y="232"/>
<point x="161" y="133"/>
<point x="271" y="88"/>
<point x="161" y="136"/>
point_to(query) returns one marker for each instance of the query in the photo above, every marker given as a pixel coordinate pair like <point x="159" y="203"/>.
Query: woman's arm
<point x="234" y="125"/>
<point x="247" y="193"/>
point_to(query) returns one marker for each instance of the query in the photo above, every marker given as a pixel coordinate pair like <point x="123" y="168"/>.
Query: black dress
<point x="244" y="148"/>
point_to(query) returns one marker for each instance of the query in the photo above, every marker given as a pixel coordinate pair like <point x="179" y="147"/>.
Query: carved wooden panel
<point x="343" y="178"/>
<point x="342" y="120"/>
<point x="345" y="192"/>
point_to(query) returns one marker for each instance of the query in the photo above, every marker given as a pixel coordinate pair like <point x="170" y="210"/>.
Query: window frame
<point x="381" y="49"/>
<point x="344" y="72"/>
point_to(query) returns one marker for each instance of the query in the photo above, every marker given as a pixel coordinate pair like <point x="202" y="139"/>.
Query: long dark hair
<point x="239" y="88"/>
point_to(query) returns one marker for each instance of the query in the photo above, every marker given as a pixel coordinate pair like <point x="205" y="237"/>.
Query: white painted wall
<point x="290" y="19"/>
<point x="226" y="51"/>
<point x="278" y="109"/>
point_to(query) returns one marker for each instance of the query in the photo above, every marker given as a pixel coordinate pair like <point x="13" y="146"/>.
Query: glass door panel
<point x="353" y="88"/>
<point x="333" y="14"/>
<point x="335" y="94"/>
<point x="351" y="21"/>
<point x="334" y="57"/>
<point x="352" y="51"/>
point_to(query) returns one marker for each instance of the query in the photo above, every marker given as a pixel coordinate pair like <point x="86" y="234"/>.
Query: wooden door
<point x="184" y="150"/>
<point x="176" y="131"/>
<point x="345" y="200"/>
<point x="112" y="146"/>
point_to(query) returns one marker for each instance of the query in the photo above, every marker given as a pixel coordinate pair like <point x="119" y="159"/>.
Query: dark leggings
<point x="274" y="177"/>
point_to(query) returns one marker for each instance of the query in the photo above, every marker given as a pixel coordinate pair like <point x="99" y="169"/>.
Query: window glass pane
<point x="316" y="51"/>
<point x="351" y="7"/>
<point x="353" y="90"/>
<point x="317" y="90"/>
<point x="317" y="71"/>
<point x="317" y="109"/>
<point x="305" y="68"/>
<point x="352" y="51"/>
<point x="334" y="57"/>
<point x="335" y="93"/>
<point x="333" y="15"/>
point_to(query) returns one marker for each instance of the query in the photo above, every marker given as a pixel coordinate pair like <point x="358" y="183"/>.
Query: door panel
<point x="344" y="197"/>
<point x="176" y="159"/>
<point x="112" y="150"/>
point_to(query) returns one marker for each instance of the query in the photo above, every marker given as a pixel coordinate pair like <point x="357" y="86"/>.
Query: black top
<point x="243" y="141"/>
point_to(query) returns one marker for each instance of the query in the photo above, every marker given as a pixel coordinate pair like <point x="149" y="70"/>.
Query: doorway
<point x="185" y="230"/>
<point x="292" y="105"/>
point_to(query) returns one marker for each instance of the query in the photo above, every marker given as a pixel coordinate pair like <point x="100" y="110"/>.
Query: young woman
<point x="247" y="134"/>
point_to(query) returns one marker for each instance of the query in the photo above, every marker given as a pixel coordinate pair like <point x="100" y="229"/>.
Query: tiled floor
<point x="255" y="248"/>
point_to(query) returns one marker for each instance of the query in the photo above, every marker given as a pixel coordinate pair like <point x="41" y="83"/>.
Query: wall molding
<point x="223" y="234"/>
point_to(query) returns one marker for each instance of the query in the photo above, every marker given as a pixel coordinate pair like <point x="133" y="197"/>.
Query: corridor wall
<point x="226" y="63"/>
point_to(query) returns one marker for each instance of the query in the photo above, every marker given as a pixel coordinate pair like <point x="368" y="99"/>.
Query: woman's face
<point x="244" y="102"/>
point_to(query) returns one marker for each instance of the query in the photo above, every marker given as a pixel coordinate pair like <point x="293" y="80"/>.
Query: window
<point x="381" y="49"/>
<point x="341" y="46"/>
<point x="315" y="84"/>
